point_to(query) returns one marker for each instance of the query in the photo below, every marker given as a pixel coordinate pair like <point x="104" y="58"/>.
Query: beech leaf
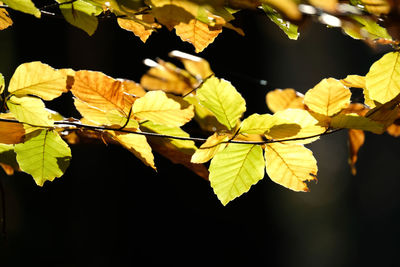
<point x="5" y="20"/>
<point x="25" y="6"/>
<point x="235" y="169"/>
<point x="354" y="121"/>
<point x="279" y="99"/>
<point x="141" y="25"/>
<point x="208" y="149"/>
<point x="30" y="110"/>
<point x="44" y="155"/>
<point x="197" y="66"/>
<point x="354" y="81"/>
<point x="221" y="98"/>
<point x="11" y="133"/>
<point x="290" y="29"/>
<point x="356" y="140"/>
<point x="290" y="165"/>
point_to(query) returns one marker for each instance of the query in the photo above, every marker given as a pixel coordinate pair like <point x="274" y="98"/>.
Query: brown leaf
<point x="356" y="140"/>
<point x="11" y="133"/>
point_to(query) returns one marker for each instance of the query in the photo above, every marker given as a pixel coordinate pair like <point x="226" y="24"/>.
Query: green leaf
<point x="290" y="29"/>
<point x="81" y="14"/>
<point x="257" y="124"/>
<point x="383" y="78"/>
<point x="44" y="155"/>
<point x="30" y="110"/>
<point x="25" y="6"/>
<point x="354" y="121"/>
<point x="374" y="30"/>
<point x="1" y="83"/>
<point x="221" y="98"/>
<point x="235" y="169"/>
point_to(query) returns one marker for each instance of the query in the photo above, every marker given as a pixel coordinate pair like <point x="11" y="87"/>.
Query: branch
<point x="196" y="139"/>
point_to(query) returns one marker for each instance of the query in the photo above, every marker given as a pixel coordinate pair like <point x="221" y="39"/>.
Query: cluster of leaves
<point x="201" y="21"/>
<point x="149" y="116"/>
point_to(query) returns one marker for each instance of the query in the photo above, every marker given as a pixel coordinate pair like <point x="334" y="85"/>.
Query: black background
<point x="111" y="210"/>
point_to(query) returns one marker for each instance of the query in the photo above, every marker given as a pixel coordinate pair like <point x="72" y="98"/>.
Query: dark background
<point x="111" y="210"/>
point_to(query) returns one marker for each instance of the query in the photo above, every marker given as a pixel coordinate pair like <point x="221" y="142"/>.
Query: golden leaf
<point x="279" y="99"/>
<point x="354" y="121"/>
<point x="290" y="165"/>
<point x="198" y="33"/>
<point x="328" y="97"/>
<point x="141" y="25"/>
<point x="288" y="8"/>
<point x="5" y="20"/>
<point x="356" y="140"/>
<point x="208" y="149"/>
<point x="354" y="81"/>
<point x="197" y="66"/>
<point x="377" y="7"/>
<point x="387" y="113"/>
<point x="11" y="133"/>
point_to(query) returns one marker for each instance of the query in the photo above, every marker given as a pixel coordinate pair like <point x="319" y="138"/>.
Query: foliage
<point x="148" y="116"/>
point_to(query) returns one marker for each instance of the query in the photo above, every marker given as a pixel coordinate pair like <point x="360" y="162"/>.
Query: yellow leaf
<point x="286" y="7"/>
<point x="290" y="165"/>
<point x="328" y="5"/>
<point x="197" y="66"/>
<point x="387" y="113"/>
<point x="377" y="7"/>
<point x="36" y="78"/>
<point x="137" y="144"/>
<point x="354" y="81"/>
<point x="354" y="121"/>
<point x="157" y="107"/>
<point x="309" y="126"/>
<point x="101" y="91"/>
<point x="30" y="110"/>
<point x="356" y="140"/>
<point x="383" y="78"/>
<point x="198" y="33"/>
<point x="141" y="25"/>
<point x="328" y="97"/>
<point x="11" y="133"/>
<point x="208" y="149"/>
<point x="282" y="99"/>
<point x="5" y="20"/>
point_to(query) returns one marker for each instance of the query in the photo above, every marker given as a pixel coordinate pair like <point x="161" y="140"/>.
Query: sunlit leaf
<point x="81" y="14"/>
<point x="377" y="7"/>
<point x="290" y="165"/>
<point x="157" y="107"/>
<point x="257" y="124"/>
<point x="5" y="20"/>
<point x="354" y="121"/>
<point x="141" y="25"/>
<point x="25" y="6"/>
<point x="387" y="113"/>
<point x="172" y="12"/>
<point x="2" y="85"/>
<point x="354" y="81"/>
<point x="30" y="110"/>
<point x="235" y="169"/>
<point x="11" y="133"/>
<point x="356" y="140"/>
<point x="220" y="97"/>
<point x="370" y="29"/>
<point x="36" y="78"/>
<point x="328" y="97"/>
<point x="44" y="155"/>
<point x="383" y="78"/>
<point x="208" y="149"/>
<point x="286" y="7"/>
<point x="290" y="29"/>
<point x="101" y="91"/>
<point x="137" y="144"/>
<point x="197" y="66"/>
<point x="279" y="99"/>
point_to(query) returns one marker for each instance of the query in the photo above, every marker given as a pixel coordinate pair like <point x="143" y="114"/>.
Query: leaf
<point x="36" y="78"/>
<point x="157" y="107"/>
<point x="81" y="14"/>
<point x="25" y="6"/>
<point x="30" y="110"/>
<point x="328" y="97"/>
<point x="354" y="81"/>
<point x="11" y="133"/>
<point x="288" y="8"/>
<point x="221" y="98"/>
<point x="137" y="144"/>
<point x="387" y="113"/>
<point x="257" y="124"/>
<point x="235" y="169"/>
<point x="279" y="99"/>
<point x="356" y="140"/>
<point x="354" y="121"/>
<point x="8" y="159"/>
<point x="2" y="85"/>
<point x="208" y="149"/>
<point x="197" y="66"/>
<point x="5" y="20"/>
<point x="383" y="78"/>
<point x="141" y="25"/>
<point x="371" y="29"/>
<point x="377" y="7"/>
<point x="310" y="127"/>
<point x="198" y="33"/>
<point x="290" y="29"/>
<point x="45" y="156"/>
<point x="172" y="12"/>
<point x="103" y="92"/>
<point x="290" y="165"/>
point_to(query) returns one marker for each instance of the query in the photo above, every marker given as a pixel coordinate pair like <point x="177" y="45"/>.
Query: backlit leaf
<point x="25" y="6"/>
<point x="354" y="121"/>
<point x="279" y="99"/>
<point x="2" y="85"/>
<point x="5" y="20"/>
<point x="387" y="113"/>
<point x="81" y="14"/>
<point x="328" y="97"/>
<point x="209" y="148"/>
<point x="220" y="97"/>
<point x="383" y="78"/>
<point x="11" y="133"/>
<point x="377" y="7"/>
<point x="290" y="29"/>
<point x="286" y="7"/>
<point x="354" y="81"/>
<point x="235" y="169"/>
<point x="141" y="25"/>
<point x="30" y="110"/>
<point x="44" y="155"/>
<point x="36" y="78"/>
<point x="356" y="140"/>
<point x="137" y="144"/>
<point x="290" y="165"/>
<point x="157" y="107"/>
<point x="257" y="124"/>
<point x="197" y="66"/>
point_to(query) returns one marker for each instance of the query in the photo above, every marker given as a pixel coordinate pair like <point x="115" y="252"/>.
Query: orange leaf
<point x="141" y="25"/>
<point x="5" y="20"/>
<point x="11" y="133"/>
<point x="356" y="140"/>
<point x="279" y="99"/>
